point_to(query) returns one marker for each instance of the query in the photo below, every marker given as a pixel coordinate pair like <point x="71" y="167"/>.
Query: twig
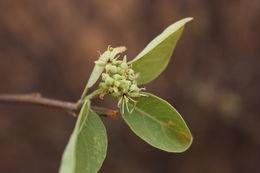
<point x="37" y="99"/>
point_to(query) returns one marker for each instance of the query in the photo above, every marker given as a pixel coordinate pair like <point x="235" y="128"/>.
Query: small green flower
<point x="124" y="65"/>
<point x="111" y="68"/>
<point x="115" y="89"/>
<point x="104" y="76"/>
<point x="102" y="85"/>
<point x="116" y="83"/>
<point x="109" y="80"/>
<point x="119" y="77"/>
<point x="118" y="62"/>
<point x="134" y="87"/>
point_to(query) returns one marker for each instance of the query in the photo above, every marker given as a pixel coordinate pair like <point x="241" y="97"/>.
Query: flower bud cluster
<point x="119" y="81"/>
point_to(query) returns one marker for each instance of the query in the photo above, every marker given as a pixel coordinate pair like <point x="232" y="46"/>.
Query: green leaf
<point x="95" y="74"/>
<point x="156" y="55"/>
<point x="87" y="146"/>
<point x="97" y="71"/>
<point x="159" y="124"/>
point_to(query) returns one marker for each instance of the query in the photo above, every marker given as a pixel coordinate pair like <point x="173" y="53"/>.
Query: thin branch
<point x="37" y="99"/>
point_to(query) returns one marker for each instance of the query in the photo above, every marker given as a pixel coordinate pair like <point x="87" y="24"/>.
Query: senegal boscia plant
<point x="148" y="116"/>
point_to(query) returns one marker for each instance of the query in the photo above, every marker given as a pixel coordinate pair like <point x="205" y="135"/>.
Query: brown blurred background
<point x="213" y="80"/>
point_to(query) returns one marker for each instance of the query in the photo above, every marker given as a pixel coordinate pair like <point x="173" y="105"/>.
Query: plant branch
<point x="37" y="99"/>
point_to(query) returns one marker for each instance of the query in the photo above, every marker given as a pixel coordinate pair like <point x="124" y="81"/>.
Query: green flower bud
<point x="102" y="85"/>
<point x="104" y="76"/>
<point x="116" y="62"/>
<point x="111" y="68"/>
<point x="131" y="77"/>
<point x="110" y="48"/>
<point x="116" y="83"/>
<point x="121" y="71"/>
<point x="125" y="84"/>
<point x="116" y="94"/>
<point x="115" y="89"/>
<point x="124" y="90"/>
<point x="130" y="72"/>
<point x="124" y="65"/>
<point x="109" y="80"/>
<point x="108" y="66"/>
<point x="119" y="77"/>
<point x="110" y="90"/>
<point x="134" y="87"/>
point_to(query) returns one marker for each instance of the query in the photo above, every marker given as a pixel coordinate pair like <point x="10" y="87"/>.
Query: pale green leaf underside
<point x="159" y="124"/>
<point x="156" y="55"/>
<point x="97" y="71"/>
<point x="87" y="146"/>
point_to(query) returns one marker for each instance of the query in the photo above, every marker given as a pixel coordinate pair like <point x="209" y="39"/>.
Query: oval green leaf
<point x="87" y="147"/>
<point x="159" y="124"/>
<point x="156" y="55"/>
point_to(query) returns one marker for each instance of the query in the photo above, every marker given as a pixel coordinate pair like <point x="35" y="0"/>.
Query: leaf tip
<point x="188" y="139"/>
<point x="189" y="18"/>
<point x="186" y="20"/>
